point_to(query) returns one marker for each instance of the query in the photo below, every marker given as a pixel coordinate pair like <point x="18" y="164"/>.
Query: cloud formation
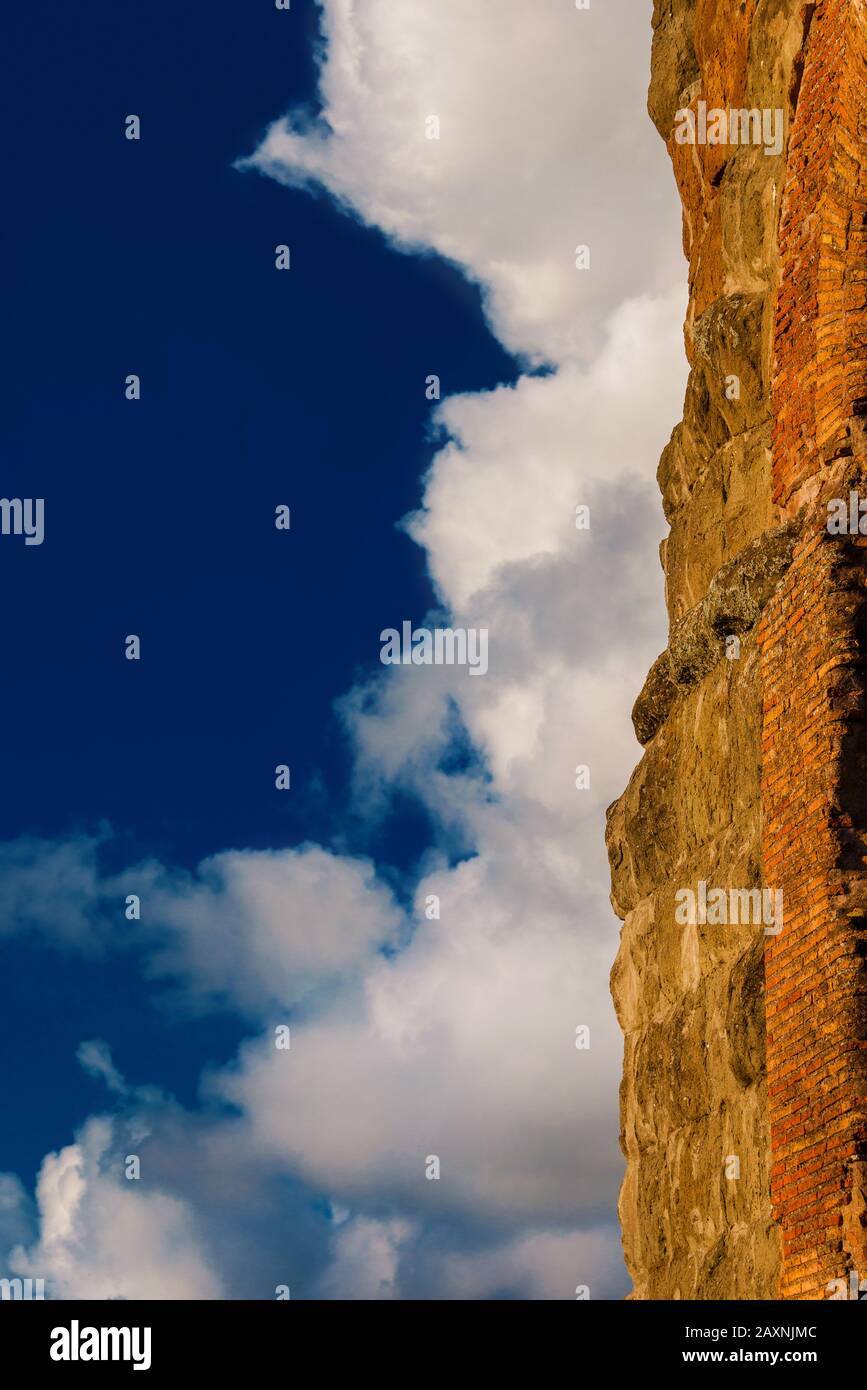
<point x="259" y="930"/>
<point x="543" y="145"/>
<point x="100" y="1236"/>
<point x="450" y="1035"/>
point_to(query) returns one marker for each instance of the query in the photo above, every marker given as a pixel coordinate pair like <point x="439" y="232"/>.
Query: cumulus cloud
<point x="543" y="145"/>
<point x="504" y="489"/>
<point x="463" y="1045"/>
<point x="259" y="930"/>
<point x="104" y="1236"/>
<point x="383" y="1258"/>
<point x="17" y="1219"/>
<point x="366" y="1259"/>
<point x="248" y="930"/>
<point x="556" y="1265"/>
<point x="454" y="1035"/>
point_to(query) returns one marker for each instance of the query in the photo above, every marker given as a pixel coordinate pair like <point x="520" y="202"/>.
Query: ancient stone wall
<point x="814" y="759"/>
<point x="745" y="1142"/>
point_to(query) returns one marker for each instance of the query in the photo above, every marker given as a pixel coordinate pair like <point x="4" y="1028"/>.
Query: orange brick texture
<point x="813" y="640"/>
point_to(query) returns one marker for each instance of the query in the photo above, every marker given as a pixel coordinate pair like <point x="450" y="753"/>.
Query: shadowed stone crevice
<point x="732" y="607"/>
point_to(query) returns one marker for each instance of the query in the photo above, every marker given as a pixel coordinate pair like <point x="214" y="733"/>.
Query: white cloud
<point x="461" y="1042"/>
<point x="253" y="930"/>
<point x="17" y="1219"/>
<point x="463" y="1047"/>
<point x="258" y="930"/>
<point x="104" y="1236"/>
<point x="366" y="1260"/>
<point x="544" y="145"/>
<point x="385" y="1258"/>
<point x="505" y="488"/>
<point x="540" y="1265"/>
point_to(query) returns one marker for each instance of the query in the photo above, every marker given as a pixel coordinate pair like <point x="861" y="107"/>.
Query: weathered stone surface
<point x="690" y="1001"/>
<point x="744" y="1093"/>
<point x="735" y="597"/>
<point x="690" y="998"/>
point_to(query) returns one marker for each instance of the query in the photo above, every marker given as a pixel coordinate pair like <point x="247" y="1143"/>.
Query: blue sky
<point x="158" y="259"/>
<point x="260" y="647"/>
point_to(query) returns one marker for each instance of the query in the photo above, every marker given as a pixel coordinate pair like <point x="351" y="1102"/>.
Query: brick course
<point x="814" y="676"/>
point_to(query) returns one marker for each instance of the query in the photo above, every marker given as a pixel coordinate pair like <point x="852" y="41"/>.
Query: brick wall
<point x="813" y="639"/>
